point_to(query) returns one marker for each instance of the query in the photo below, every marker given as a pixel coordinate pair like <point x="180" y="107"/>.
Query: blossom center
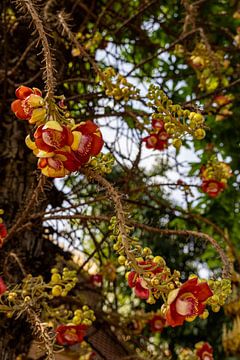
<point x="187" y="305"/>
<point x="71" y="335"/>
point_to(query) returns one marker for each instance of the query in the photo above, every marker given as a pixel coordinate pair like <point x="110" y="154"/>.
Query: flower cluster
<point x="202" y="351"/>
<point x="116" y="85"/>
<point x="158" y="138"/>
<point x="212" y="69"/>
<point x="214" y="177"/>
<point x="174" y="121"/>
<point x="61" y="148"/>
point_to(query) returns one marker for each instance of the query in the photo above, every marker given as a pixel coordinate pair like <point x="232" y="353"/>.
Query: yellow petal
<point x="52" y="124"/>
<point x="30" y="144"/>
<point x="44" y="154"/>
<point x="76" y="140"/>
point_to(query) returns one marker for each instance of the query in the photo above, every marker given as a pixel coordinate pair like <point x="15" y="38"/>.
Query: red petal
<point x="87" y="127"/>
<point x="23" y="91"/>
<point x="161" y="145"/>
<point x="97" y="145"/>
<point x="17" y="108"/>
<point x="173" y="318"/>
<point x="3" y="231"/>
<point x="188" y="286"/>
<point x="140" y="291"/>
<point x="203" y="292"/>
<point x="132" y="279"/>
<point x="3" y="286"/>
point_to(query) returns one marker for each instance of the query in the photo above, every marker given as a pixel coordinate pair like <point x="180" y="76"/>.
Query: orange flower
<point x="70" y="334"/>
<point x="187" y="302"/>
<point x="28" y="100"/>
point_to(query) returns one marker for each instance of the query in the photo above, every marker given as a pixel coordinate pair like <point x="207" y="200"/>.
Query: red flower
<point x="138" y="283"/>
<point x="157" y="323"/>
<point x="70" y="334"/>
<point x="87" y="141"/>
<point x="96" y="280"/>
<point x="212" y="187"/>
<point x="187" y="302"/>
<point x="154" y="141"/>
<point x="204" y="351"/>
<point x="52" y="136"/>
<point x="3" y="233"/>
<point x="28" y="100"/>
<point x="3" y="286"/>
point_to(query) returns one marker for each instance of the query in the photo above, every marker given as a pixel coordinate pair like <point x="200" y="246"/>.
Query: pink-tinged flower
<point x="204" y="351"/>
<point x="70" y="334"/>
<point x="96" y="280"/>
<point x="3" y="286"/>
<point x="157" y="323"/>
<point x="187" y="302"/>
<point x="138" y="283"/>
<point x="28" y="100"/>
<point x="52" y="136"/>
<point x="3" y="233"/>
<point x="87" y="141"/>
<point x="212" y="187"/>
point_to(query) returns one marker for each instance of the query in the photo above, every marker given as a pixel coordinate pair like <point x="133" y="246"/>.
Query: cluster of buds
<point x="202" y="351"/>
<point x="117" y="86"/>
<point x="102" y="163"/>
<point x="61" y="146"/>
<point x="212" y="69"/>
<point x="223" y="104"/>
<point x="89" y="42"/>
<point x="177" y="121"/>
<point x="3" y="229"/>
<point x="221" y="290"/>
<point x="62" y="284"/>
<point x="35" y="292"/>
<point x="214" y="177"/>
